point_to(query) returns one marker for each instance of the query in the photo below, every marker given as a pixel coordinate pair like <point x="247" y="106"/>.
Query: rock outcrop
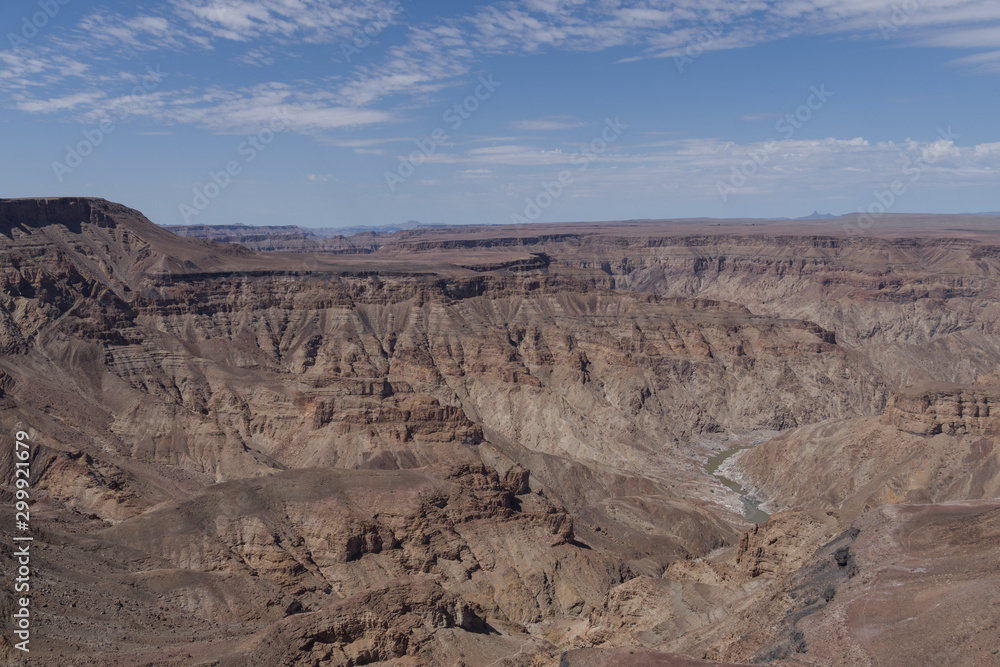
<point x="946" y="408"/>
<point x="783" y="544"/>
<point x="913" y="298"/>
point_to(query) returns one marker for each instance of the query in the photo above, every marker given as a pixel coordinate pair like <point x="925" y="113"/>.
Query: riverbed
<point x="751" y="505"/>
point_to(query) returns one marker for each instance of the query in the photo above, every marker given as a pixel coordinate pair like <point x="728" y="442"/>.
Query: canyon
<point x="486" y="445"/>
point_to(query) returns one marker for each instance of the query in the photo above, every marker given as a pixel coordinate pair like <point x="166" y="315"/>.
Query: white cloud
<point x="315" y="21"/>
<point x="43" y="69"/>
<point x="66" y="103"/>
<point x="299" y="108"/>
<point x="250" y="110"/>
<point x="141" y="32"/>
<point x="660" y="28"/>
<point x="435" y="55"/>
<point x="259" y="57"/>
<point x="367" y="142"/>
<point x="847" y="170"/>
<point x="988" y="150"/>
<point x="475" y="174"/>
<point x="551" y="123"/>
<point x="979" y="58"/>
<point x="970" y="38"/>
<point x="695" y="167"/>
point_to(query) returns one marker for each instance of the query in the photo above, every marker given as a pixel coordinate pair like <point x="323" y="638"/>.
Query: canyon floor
<point x="487" y="445"/>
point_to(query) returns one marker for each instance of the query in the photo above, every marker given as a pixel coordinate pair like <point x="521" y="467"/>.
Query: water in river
<point x="751" y="506"/>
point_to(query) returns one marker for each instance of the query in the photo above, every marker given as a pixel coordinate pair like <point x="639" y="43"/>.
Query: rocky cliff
<point x="914" y="299"/>
<point x="945" y="408"/>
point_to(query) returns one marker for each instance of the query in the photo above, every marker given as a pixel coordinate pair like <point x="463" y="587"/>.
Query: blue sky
<point x="325" y="114"/>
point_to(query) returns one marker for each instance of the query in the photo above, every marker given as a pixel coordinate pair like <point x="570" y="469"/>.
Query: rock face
<point x="914" y="300"/>
<point x="325" y="532"/>
<point x="947" y="409"/>
<point x="782" y="544"/>
<point x="387" y="622"/>
<point x="478" y="449"/>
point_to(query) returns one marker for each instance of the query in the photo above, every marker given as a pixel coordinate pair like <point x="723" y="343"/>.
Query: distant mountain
<point x="382" y="229"/>
<point x="292" y="238"/>
<point x="816" y="215"/>
<point x="240" y="230"/>
<point x="223" y="232"/>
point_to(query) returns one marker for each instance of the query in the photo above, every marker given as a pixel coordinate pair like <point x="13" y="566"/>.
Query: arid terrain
<point x="486" y="445"/>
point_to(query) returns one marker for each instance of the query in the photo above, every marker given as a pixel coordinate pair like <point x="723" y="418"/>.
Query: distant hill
<point x="292" y="238"/>
<point x="239" y="230"/>
<point x="383" y="229"/>
<point x="816" y="215"/>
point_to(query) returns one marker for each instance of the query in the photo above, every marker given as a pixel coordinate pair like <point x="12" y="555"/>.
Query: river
<point x="751" y="505"/>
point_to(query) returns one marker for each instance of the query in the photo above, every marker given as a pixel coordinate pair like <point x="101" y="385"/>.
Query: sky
<point x="376" y="112"/>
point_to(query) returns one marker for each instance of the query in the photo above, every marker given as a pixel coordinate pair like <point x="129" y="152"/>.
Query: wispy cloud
<point x="758" y="117"/>
<point x="258" y="57"/>
<point x="695" y="166"/>
<point x="19" y="70"/>
<point x="65" y="103"/>
<point x="249" y="109"/>
<point x="431" y="56"/>
<point x="368" y="142"/>
<point x="549" y="124"/>
<point x="140" y="33"/>
<point x="312" y="21"/>
<point x="435" y="55"/>
<point x="304" y="109"/>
